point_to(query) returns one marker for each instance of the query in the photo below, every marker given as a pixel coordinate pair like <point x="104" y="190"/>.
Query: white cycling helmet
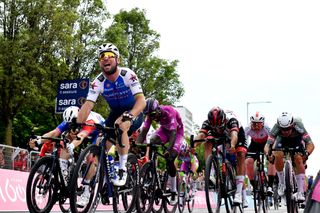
<point x="257" y="118"/>
<point x="108" y="47"/>
<point x="70" y="113"/>
<point x="285" y="120"/>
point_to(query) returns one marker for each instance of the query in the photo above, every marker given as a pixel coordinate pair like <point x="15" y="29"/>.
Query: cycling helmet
<point x="285" y="120"/>
<point x="257" y="118"/>
<point x="70" y="113"/>
<point x="108" y="47"/>
<point x="151" y="106"/>
<point x="216" y="117"/>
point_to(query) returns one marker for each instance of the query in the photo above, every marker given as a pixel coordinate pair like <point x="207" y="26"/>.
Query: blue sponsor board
<point x="71" y="93"/>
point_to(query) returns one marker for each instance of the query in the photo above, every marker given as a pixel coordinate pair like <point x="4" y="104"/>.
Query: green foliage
<point x="138" y="43"/>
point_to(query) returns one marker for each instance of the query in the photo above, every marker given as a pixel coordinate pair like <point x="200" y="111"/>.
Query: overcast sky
<point x="234" y="52"/>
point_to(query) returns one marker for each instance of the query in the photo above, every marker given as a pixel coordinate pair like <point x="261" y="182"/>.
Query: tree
<point x="41" y="43"/>
<point x="138" y="44"/>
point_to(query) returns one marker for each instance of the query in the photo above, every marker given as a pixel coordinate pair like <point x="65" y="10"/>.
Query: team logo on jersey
<point x="93" y="85"/>
<point x="133" y="78"/>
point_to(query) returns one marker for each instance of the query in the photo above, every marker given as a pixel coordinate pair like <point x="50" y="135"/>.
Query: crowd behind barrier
<point x="16" y="158"/>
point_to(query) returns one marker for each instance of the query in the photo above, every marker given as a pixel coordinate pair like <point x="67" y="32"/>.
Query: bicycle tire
<point x="192" y="191"/>
<point x="84" y="162"/>
<point x="258" y="195"/>
<point x="211" y="182"/>
<point x="288" y="182"/>
<point x="39" y="174"/>
<point x="231" y="187"/>
<point x="130" y="191"/>
<point x="182" y="190"/>
<point x="147" y="188"/>
<point x="275" y="197"/>
<point x="168" y="207"/>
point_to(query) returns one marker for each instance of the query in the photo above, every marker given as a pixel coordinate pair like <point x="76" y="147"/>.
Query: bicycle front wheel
<point x="130" y="191"/>
<point x="88" y="173"/>
<point x="292" y="206"/>
<point x="212" y="188"/>
<point x="259" y="194"/>
<point x="191" y="190"/>
<point x="147" y="188"/>
<point x="40" y="191"/>
<point x="182" y="191"/>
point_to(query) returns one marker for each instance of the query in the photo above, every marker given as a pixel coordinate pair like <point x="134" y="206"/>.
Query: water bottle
<point x="111" y="166"/>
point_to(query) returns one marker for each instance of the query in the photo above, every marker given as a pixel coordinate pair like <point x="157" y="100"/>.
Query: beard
<point x="111" y="71"/>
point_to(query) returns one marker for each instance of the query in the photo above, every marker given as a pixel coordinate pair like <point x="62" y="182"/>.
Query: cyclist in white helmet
<point x="258" y="131"/>
<point x="120" y="87"/>
<point x="290" y="132"/>
<point x="76" y="136"/>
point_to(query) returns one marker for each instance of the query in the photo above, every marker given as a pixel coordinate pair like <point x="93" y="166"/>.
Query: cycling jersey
<point x="260" y="136"/>
<point x="298" y="134"/>
<point x="120" y="93"/>
<point x="232" y="125"/>
<point x="187" y="162"/>
<point x="170" y="120"/>
<point x="93" y="117"/>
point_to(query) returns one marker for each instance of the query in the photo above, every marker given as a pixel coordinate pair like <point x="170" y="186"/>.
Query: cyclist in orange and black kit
<point x="290" y="132"/>
<point x="222" y="123"/>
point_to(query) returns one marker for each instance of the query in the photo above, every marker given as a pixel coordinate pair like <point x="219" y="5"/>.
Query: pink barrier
<point x="13" y="192"/>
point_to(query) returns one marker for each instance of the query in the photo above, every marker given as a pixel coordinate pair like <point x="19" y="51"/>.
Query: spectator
<point x="21" y="161"/>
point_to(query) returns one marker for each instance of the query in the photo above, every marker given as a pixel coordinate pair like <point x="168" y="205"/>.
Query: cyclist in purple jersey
<point x="258" y="131"/>
<point x="170" y="131"/>
<point x="121" y="89"/>
<point x="290" y="132"/>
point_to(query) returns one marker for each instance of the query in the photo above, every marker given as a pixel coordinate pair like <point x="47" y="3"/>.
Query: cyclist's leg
<point x="279" y="165"/>
<point x="241" y="150"/>
<point x="300" y="176"/>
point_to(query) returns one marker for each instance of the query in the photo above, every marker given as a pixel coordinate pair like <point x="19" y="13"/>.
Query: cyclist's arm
<point x="142" y="135"/>
<point x="234" y="138"/>
<point x="85" y="111"/>
<point x="200" y="136"/>
<point x="139" y="105"/>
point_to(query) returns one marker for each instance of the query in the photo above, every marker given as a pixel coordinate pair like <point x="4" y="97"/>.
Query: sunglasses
<point x="152" y="114"/>
<point x="106" y="54"/>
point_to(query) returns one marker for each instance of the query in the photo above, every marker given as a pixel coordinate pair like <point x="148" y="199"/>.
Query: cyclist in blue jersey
<point x="76" y="136"/>
<point x="121" y="89"/>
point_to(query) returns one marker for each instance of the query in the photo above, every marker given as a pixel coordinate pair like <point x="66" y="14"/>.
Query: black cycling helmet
<point x="216" y="117"/>
<point x="151" y="106"/>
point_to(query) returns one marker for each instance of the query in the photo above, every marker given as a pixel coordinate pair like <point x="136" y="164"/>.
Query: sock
<point x="281" y="177"/>
<point x="244" y="194"/>
<point x="173" y="183"/>
<point x="300" y="182"/>
<point x="270" y="180"/>
<point x="122" y="162"/>
<point x="239" y="181"/>
<point x="64" y="169"/>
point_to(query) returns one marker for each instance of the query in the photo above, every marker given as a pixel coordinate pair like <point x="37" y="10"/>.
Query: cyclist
<point x="76" y="136"/>
<point x="121" y="89"/>
<point x="170" y="131"/>
<point x="290" y="132"/>
<point x="187" y="160"/>
<point x="222" y="123"/>
<point x="258" y="131"/>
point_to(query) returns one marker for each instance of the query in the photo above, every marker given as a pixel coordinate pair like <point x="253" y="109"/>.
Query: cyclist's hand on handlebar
<point x="32" y="143"/>
<point x="193" y="151"/>
<point x="127" y="116"/>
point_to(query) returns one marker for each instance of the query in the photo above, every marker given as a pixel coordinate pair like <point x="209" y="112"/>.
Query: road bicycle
<point x="186" y="191"/>
<point x="260" y="196"/>
<point x="220" y="183"/>
<point x="94" y="161"/>
<point x="154" y="191"/>
<point x="290" y="177"/>
<point x="45" y="185"/>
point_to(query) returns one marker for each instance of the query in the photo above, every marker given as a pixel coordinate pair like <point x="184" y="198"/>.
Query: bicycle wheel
<point x="258" y="193"/>
<point x="40" y="191"/>
<point x="124" y="199"/>
<point x="191" y="190"/>
<point x="275" y="197"/>
<point x="182" y="194"/>
<point x="212" y="188"/>
<point x="159" y="191"/>
<point x="87" y="165"/>
<point x="168" y="207"/>
<point x="292" y="206"/>
<point x="147" y="188"/>
<point x="231" y="187"/>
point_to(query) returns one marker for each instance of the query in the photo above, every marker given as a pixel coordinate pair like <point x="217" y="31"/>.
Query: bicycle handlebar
<point x="207" y="139"/>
